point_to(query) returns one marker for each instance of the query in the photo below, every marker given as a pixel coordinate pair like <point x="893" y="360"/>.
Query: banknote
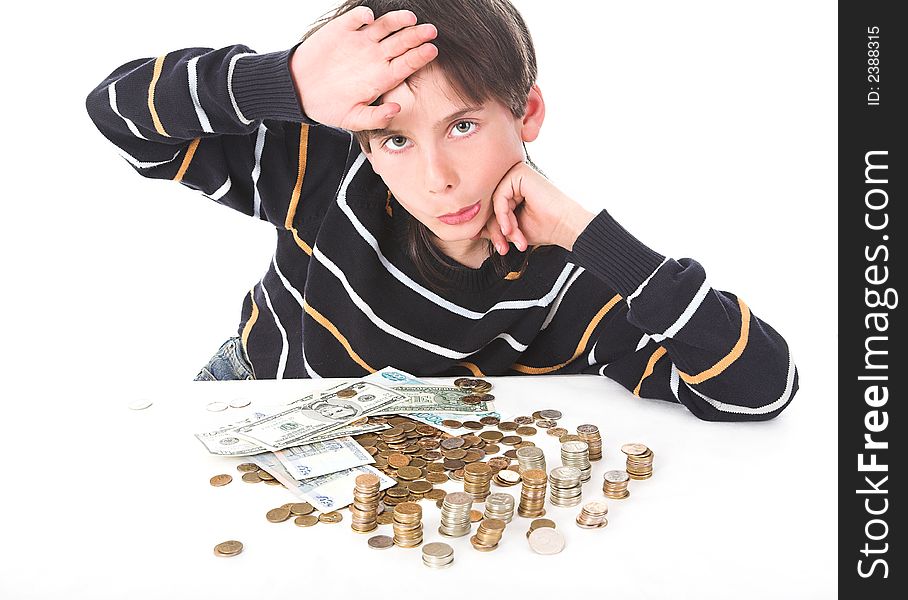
<point x="320" y="458"/>
<point x="329" y="410"/>
<point x="224" y="442"/>
<point x="435" y="419"/>
<point x="391" y="377"/>
<point x="435" y="398"/>
<point x="325" y="493"/>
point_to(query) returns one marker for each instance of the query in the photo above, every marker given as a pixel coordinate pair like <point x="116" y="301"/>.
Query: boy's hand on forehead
<point x="342" y="68"/>
<point x="530" y="211"/>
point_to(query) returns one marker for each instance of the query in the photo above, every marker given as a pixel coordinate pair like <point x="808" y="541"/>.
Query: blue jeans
<point x="228" y="363"/>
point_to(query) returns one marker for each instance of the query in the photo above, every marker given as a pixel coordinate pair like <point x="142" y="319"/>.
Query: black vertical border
<point x="864" y="128"/>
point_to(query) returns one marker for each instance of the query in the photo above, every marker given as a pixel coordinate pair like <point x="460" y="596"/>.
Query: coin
<point x="409" y="473"/>
<point x="546" y="540"/>
<point x="251" y="478"/>
<point x="507" y="426"/>
<point x="398" y="460"/>
<point x="523" y="420"/>
<point x="472" y="399"/>
<point x="634" y="449"/>
<point x="247" y="467"/>
<point x="219" y="480"/>
<point x="545" y="424"/>
<point x="437" y="477"/>
<point x="346" y="393"/>
<point x="420" y="487"/>
<point x="475" y="516"/>
<point x="490" y="420"/>
<point x="451" y="423"/>
<point x="301" y="508"/>
<point x="216" y="406"/>
<point x="525" y="430"/>
<point x="240" y="402"/>
<point x="558" y="432"/>
<point x="228" y="548"/>
<point x="264" y="475"/>
<point x="511" y="440"/>
<point x="305" y="520"/>
<point x="331" y="517"/>
<point x="462" y="382"/>
<point x="278" y="515"/>
<point x="452" y="443"/>
<point x="537" y="523"/>
<point x="475" y="425"/>
<point x="140" y="404"/>
<point x="380" y="542"/>
<point x="437" y="550"/>
<point x="550" y="414"/>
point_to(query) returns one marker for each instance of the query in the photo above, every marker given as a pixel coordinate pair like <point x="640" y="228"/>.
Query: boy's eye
<point x="464" y="127"/>
<point x="396" y="142"/>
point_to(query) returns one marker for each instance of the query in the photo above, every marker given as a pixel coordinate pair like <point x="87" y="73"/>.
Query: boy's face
<point x="437" y="159"/>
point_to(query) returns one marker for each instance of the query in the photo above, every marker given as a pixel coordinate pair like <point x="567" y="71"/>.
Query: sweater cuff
<point x="264" y="89"/>
<point x="615" y="256"/>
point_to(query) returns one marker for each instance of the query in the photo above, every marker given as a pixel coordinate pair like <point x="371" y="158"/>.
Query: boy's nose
<point x="440" y="174"/>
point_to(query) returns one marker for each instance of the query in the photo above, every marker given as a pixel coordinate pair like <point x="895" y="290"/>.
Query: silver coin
<point x="616" y="476"/>
<point x="550" y="414"/>
<point x="437" y="550"/>
<point x="380" y="542"/>
<point x="596" y="507"/>
<point x="217" y="406"/>
<point x="452" y="443"/>
<point x="508" y="476"/>
<point x="141" y="404"/>
<point x="587" y="429"/>
<point x="546" y="540"/>
<point x="575" y="446"/>
<point x="240" y="402"/>
<point x="458" y="498"/>
<point x="565" y="473"/>
<point x="529" y="452"/>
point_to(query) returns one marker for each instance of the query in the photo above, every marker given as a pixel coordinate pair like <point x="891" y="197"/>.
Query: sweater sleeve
<point x="699" y="346"/>
<point x="229" y="124"/>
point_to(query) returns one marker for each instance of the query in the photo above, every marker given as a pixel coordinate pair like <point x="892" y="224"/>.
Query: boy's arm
<point x="228" y="123"/>
<point x="699" y="346"/>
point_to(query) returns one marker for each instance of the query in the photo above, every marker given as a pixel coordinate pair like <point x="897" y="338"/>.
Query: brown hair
<point x="486" y="52"/>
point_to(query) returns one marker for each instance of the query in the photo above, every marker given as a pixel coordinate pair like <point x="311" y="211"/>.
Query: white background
<point x="708" y="129"/>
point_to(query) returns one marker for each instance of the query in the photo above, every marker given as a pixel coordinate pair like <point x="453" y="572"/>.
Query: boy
<point x="387" y="149"/>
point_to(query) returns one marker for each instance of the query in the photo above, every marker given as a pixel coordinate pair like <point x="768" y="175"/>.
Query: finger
<point x="373" y="117"/>
<point x="390" y="22"/>
<point x="411" y="37"/>
<point x="411" y="61"/>
<point x="498" y="239"/>
<point x="502" y="208"/>
<point x="355" y="18"/>
<point x="519" y="239"/>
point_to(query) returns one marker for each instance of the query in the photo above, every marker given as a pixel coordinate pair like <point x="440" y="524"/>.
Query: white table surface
<point x="120" y="507"/>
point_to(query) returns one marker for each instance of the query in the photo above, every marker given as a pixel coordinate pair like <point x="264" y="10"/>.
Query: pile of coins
<point x="407" y="525"/>
<point x="614" y="484"/>
<point x="590" y="435"/>
<point x="577" y="454"/>
<point x="546" y="540"/>
<point x="455" y="514"/>
<point x="532" y="494"/>
<point x="477" y="386"/>
<point x="639" y="461"/>
<point x="507" y="477"/>
<point x="500" y="506"/>
<point x="564" y="486"/>
<point x="488" y="535"/>
<point x="437" y="555"/>
<point x="530" y="457"/>
<point x="364" y="510"/>
<point x="476" y="477"/>
<point x="251" y="474"/>
<point x="592" y="515"/>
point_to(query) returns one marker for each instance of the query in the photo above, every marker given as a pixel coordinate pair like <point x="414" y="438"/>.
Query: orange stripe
<point x="337" y="334"/>
<point x="247" y="328"/>
<point x="295" y="197"/>
<point x="729" y="358"/>
<point x="474" y="369"/>
<point x="190" y="152"/>
<point x="649" y="367"/>
<point x="581" y="346"/>
<point x="158" y="67"/>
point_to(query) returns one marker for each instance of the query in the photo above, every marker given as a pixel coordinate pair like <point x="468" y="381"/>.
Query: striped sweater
<point x="341" y="298"/>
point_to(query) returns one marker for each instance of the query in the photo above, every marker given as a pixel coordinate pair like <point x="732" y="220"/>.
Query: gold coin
<point x="511" y="440"/>
<point x="475" y="425"/>
<point x="491" y="435"/>
<point x="451" y="423"/>
<point x="305" y="520"/>
<point x="331" y="517"/>
<point x="386" y="518"/>
<point x="247" y="468"/>
<point x="398" y="460"/>
<point x="537" y="523"/>
<point x="525" y="430"/>
<point x="420" y="487"/>
<point x="437" y="477"/>
<point x="219" y="480"/>
<point x="228" y="548"/>
<point x="409" y="473"/>
<point x="472" y="399"/>
<point x="265" y="475"/>
<point x="251" y="478"/>
<point x="436" y="494"/>
<point x="507" y="426"/>
<point x="346" y="393"/>
<point x="475" y="516"/>
<point x="300" y="508"/>
<point x="634" y="449"/>
<point x="557" y="431"/>
<point x="278" y="515"/>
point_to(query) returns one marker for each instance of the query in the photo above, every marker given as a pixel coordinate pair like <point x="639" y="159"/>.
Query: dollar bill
<point x="320" y="458"/>
<point x="326" y="411"/>
<point x="224" y="442"/>
<point x="325" y="493"/>
<point x="437" y="398"/>
<point x="435" y="419"/>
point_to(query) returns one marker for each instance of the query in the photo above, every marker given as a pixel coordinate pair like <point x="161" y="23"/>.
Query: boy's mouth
<point x="462" y="216"/>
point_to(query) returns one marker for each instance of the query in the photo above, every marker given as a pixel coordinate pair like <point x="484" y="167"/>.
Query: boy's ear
<point x="532" y="119"/>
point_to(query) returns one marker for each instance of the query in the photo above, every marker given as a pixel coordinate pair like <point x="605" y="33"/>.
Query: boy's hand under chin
<point x="530" y="211"/>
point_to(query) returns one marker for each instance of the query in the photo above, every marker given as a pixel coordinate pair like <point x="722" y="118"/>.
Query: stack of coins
<point x="437" y="555"/>
<point x="407" y="525"/>
<point x="532" y="494"/>
<point x="476" y="478"/>
<point x="614" y="485"/>
<point x="530" y="457"/>
<point x="228" y="548"/>
<point x="537" y="523"/>
<point x="577" y="454"/>
<point x="500" y="506"/>
<point x="565" y="486"/>
<point x="592" y="515"/>
<point x="590" y="435"/>
<point x="395" y="438"/>
<point x="506" y="478"/>
<point x="455" y="514"/>
<point x="639" y="461"/>
<point x="365" y="503"/>
<point x="488" y="535"/>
